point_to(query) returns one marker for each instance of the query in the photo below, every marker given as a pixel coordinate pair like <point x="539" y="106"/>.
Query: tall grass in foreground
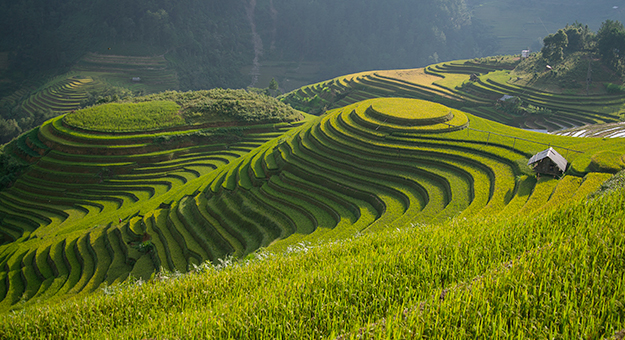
<point x="558" y="275"/>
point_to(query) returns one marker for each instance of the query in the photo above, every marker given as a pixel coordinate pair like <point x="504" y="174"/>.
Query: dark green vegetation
<point x="518" y="25"/>
<point x="208" y="42"/>
<point x="191" y="45"/>
<point x="32" y="105"/>
<point x="195" y="45"/>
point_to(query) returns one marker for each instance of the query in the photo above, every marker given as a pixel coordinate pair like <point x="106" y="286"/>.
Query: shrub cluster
<point x="227" y="104"/>
<point x="614" y="88"/>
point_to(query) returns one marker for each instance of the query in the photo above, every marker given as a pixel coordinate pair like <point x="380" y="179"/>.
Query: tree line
<point x="209" y="41"/>
<point x="608" y="43"/>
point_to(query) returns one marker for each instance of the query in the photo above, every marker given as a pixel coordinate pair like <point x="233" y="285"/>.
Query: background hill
<point x="518" y="25"/>
<point x="138" y="47"/>
<point x="207" y="43"/>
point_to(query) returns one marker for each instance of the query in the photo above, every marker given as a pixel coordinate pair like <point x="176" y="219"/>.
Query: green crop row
<point x="178" y="259"/>
<point x="342" y="180"/>
<point x="552" y="275"/>
<point x="411" y="194"/>
<point x="390" y="156"/>
<point x="323" y="215"/>
<point x="195" y="253"/>
<point x="502" y="173"/>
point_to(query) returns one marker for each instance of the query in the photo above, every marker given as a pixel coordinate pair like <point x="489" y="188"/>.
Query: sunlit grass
<point x="122" y="117"/>
<point x="553" y="275"/>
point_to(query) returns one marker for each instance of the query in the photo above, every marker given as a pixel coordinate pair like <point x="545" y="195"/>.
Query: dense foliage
<point x="172" y="108"/>
<point x="10" y="167"/>
<point x="209" y="41"/>
<point x="608" y="43"/>
<point x="611" y="44"/>
<point x="220" y="104"/>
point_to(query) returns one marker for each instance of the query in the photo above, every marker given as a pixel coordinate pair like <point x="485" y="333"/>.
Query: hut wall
<point x="547" y="166"/>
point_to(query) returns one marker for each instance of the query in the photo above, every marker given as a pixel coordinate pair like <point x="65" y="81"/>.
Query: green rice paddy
<point x="126" y="117"/>
<point x="386" y="217"/>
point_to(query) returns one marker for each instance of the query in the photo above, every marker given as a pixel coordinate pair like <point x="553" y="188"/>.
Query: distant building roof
<point x="506" y="97"/>
<point x="551" y="154"/>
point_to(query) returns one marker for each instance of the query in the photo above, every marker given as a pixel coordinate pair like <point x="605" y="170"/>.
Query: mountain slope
<point x="556" y="274"/>
<point x="142" y="201"/>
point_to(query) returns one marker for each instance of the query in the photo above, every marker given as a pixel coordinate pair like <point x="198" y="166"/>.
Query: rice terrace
<point x="383" y="204"/>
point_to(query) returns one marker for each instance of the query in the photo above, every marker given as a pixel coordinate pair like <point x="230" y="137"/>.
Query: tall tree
<point x="611" y="44"/>
<point x="554" y="44"/>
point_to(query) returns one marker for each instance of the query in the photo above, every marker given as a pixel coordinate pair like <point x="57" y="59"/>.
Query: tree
<point x="273" y="84"/>
<point x="611" y="44"/>
<point x="9" y="129"/>
<point x="579" y="37"/>
<point x="554" y="44"/>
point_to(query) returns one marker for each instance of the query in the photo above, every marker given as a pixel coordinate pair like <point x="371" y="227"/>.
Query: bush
<point x="614" y="88"/>
<point x="225" y="104"/>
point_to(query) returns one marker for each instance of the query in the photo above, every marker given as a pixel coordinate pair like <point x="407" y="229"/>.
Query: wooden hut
<point x="548" y="162"/>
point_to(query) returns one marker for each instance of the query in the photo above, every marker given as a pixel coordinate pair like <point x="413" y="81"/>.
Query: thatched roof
<point x="551" y="154"/>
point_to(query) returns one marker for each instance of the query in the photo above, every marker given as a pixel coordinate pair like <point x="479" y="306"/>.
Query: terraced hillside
<point x="94" y="79"/>
<point x="62" y="95"/>
<point x="168" y="181"/>
<point x="98" y="207"/>
<point x="395" y="161"/>
<point x="151" y="74"/>
<point x="79" y="213"/>
<point x="614" y="130"/>
<point x="450" y="83"/>
<point x="95" y="71"/>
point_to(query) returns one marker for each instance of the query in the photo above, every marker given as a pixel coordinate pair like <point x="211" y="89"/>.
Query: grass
<point x="527" y="277"/>
<point x="448" y="83"/>
<point x="607" y="161"/>
<point x="70" y="195"/>
<point x="230" y="184"/>
<point x="409" y="109"/>
<point x="127" y="117"/>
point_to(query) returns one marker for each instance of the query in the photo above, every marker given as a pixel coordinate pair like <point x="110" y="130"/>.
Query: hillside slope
<point x="537" y="101"/>
<point x="74" y="206"/>
<point x="116" y="199"/>
<point x="558" y="274"/>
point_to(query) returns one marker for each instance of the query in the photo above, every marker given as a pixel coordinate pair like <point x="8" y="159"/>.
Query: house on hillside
<point x="506" y="97"/>
<point x="548" y="162"/>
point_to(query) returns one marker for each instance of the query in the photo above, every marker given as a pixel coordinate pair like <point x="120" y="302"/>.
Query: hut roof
<point x="551" y="154"/>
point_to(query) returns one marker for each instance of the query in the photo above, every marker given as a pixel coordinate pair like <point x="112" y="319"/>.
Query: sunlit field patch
<point x="126" y="117"/>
